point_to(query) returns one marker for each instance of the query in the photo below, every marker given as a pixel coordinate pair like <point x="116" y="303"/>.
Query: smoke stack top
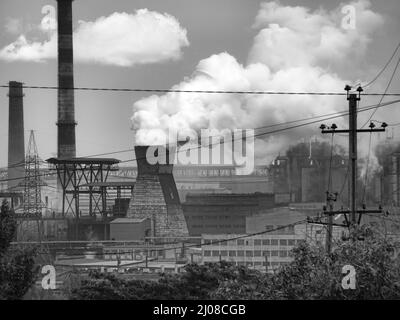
<point x="16" y="141"/>
<point x="66" y="107"/>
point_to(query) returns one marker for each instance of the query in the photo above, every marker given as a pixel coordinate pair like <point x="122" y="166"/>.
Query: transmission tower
<point x="32" y="203"/>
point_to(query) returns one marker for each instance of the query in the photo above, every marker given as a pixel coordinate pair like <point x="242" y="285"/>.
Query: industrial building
<point x="265" y="251"/>
<point x="97" y="200"/>
<point x="223" y="213"/>
<point x="302" y="176"/>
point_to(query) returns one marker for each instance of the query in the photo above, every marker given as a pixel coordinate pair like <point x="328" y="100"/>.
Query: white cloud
<point x="294" y="36"/>
<point x="119" y="39"/>
<point x="288" y="54"/>
<point x="13" y="25"/>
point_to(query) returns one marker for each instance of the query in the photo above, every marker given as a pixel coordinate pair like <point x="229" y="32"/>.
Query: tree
<point x="17" y="265"/>
<point x="313" y="274"/>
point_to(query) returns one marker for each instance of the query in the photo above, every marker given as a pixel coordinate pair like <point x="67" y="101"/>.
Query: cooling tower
<point x="155" y="196"/>
<point x="16" y="141"/>
<point x="66" y="147"/>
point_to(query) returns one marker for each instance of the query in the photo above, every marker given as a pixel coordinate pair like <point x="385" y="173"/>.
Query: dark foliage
<point x="311" y="275"/>
<point x="17" y="265"/>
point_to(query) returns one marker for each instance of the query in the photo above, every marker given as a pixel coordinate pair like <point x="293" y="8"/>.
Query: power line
<point x="230" y="239"/>
<point x="384" y="68"/>
<point x="197" y="91"/>
<point x="384" y="94"/>
<point x="330" y="164"/>
<point x="367" y="167"/>
<point x="255" y="135"/>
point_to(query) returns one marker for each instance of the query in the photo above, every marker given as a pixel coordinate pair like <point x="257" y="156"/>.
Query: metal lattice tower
<point x="32" y="204"/>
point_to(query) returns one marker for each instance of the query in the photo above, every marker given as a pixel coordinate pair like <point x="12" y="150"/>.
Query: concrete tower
<point x="16" y="141"/>
<point x="155" y="197"/>
<point x="66" y="145"/>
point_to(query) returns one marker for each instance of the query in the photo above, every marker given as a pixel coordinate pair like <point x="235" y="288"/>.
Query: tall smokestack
<point x="66" y="108"/>
<point x="16" y="141"/>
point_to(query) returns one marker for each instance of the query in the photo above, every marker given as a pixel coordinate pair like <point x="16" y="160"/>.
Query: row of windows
<point x="273" y="264"/>
<point x="256" y="242"/>
<point x="216" y="172"/>
<point x="198" y="226"/>
<point x="213" y="217"/>
<point x="247" y="253"/>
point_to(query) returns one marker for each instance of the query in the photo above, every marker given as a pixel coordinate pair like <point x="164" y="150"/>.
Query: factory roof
<point x="83" y="160"/>
<point x="111" y="184"/>
<point x="10" y="194"/>
<point x="128" y="220"/>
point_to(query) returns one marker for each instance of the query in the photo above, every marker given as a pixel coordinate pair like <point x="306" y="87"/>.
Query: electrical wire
<point x="383" y="69"/>
<point x="367" y="168"/>
<point x="254" y="136"/>
<point x="197" y="91"/>
<point x="384" y="94"/>
<point x="244" y="236"/>
<point x="330" y="164"/>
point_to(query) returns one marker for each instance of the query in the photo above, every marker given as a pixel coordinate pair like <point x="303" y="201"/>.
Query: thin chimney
<point x="16" y="141"/>
<point x="66" y="108"/>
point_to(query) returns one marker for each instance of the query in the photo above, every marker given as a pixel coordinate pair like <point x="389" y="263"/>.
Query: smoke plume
<point x="295" y="50"/>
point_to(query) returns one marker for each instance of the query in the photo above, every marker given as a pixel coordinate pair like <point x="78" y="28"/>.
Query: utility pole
<point x="266" y="263"/>
<point x="329" y="199"/>
<point x="353" y="223"/>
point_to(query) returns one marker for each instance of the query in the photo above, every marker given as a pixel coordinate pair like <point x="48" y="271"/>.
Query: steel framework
<point x="32" y="202"/>
<point x="77" y="177"/>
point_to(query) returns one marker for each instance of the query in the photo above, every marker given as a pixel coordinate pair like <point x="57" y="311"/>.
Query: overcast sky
<point x="193" y="44"/>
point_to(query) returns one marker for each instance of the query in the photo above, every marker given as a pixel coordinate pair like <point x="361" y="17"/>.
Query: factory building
<point x="223" y="213"/>
<point x="305" y="177"/>
<point x="266" y="250"/>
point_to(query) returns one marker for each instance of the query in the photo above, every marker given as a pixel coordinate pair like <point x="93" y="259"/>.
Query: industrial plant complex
<point x="98" y="213"/>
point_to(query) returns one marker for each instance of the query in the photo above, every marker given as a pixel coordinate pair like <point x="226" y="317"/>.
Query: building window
<point x="240" y="253"/>
<point x="249" y="264"/>
<point x="269" y="227"/>
<point x="266" y="253"/>
<point x="215" y="253"/>
<point x="207" y="253"/>
<point x="240" y="242"/>
<point x="283" y="253"/>
<point x="274" y="242"/>
<point x="291" y="242"/>
<point x="224" y="253"/>
<point x="266" y="242"/>
<point x="274" y="253"/>
<point x="257" y="242"/>
<point x="224" y="243"/>
<point x="248" y="242"/>
<point x="258" y="263"/>
<point x="257" y="253"/>
<point x="283" y="242"/>
<point x="249" y="253"/>
<point x="232" y="253"/>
